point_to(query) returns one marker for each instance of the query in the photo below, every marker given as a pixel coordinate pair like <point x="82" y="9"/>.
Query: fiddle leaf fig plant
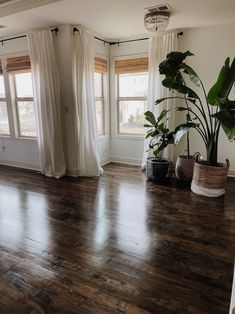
<point x="159" y="134"/>
<point x="213" y="110"/>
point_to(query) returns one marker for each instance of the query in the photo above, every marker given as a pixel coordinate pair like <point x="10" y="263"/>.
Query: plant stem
<point x="208" y="107"/>
<point x="188" y="152"/>
<point x="188" y="119"/>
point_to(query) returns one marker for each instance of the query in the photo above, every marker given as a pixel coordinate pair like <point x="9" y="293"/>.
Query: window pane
<point x="131" y="117"/>
<point x="99" y="116"/>
<point x="27" y="119"/>
<point x="2" y="87"/>
<point x="4" y="123"/>
<point x="24" y="85"/>
<point x="133" y="84"/>
<point x="98" y="85"/>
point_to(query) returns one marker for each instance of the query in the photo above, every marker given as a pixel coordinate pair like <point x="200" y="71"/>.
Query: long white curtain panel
<point x="159" y="46"/>
<point x="47" y="103"/>
<point x="88" y="155"/>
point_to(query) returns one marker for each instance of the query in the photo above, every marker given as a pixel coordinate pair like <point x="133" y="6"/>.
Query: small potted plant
<point x="158" y="168"/>
<point x="212" y="111"/>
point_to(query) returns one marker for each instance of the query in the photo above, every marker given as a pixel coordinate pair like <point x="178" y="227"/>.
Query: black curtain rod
<point x="56" y="29"/>
<point x="111" y="43"/>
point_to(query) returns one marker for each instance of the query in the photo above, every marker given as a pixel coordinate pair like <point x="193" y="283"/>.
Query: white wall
<point x="124" y="148"/>
<point x="211" y="46"/>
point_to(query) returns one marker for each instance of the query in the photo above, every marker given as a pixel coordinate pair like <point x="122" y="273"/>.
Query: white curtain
<point x="159" y="46"/>
<point x="88" y="155"/>
<point x="47" y="102"/>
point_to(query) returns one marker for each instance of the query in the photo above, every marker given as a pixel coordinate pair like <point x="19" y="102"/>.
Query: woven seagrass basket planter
<point x="208" y="180"/>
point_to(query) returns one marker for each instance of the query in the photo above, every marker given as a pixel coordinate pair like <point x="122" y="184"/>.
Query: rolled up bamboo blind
<point x="101" y="65"/>
<point x="18" y="63"/>
<point x="134" y="65"/>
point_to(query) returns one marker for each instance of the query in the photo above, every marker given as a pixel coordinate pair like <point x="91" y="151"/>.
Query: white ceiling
<point x="112" y="19"/>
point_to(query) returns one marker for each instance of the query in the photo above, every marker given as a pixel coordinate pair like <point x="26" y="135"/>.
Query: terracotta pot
<point x="208" y="180"/>
<point x="159" y="171"/>
<point x="184" y="168"/>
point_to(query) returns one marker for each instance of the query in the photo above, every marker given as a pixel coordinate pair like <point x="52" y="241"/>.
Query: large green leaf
<point x="191" y="73"/>
<point x="227" y="121"/>
<point x="226" y="117"/>
<point x="148" y="125"/>
<point x="171" y="65"/>
<point x="181" y="129"/>
<point x="213" y="95"/>
<point x="228" y="82"/>
<point x="172" y="84"/>
<point x="230" y="132"/>
<point x="149" y="116"/>
<point x="162" y="115"/>
<point x="226" y="104"/>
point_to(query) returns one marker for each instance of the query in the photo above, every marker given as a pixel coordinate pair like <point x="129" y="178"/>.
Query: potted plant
<point x="158" y="168"/>
<point x="213" y="110"/>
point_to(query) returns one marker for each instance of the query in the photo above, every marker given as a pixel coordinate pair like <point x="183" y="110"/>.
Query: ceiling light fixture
<point x="156" y="21"/>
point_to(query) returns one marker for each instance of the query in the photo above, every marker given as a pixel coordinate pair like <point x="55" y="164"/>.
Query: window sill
<point x="24" y="138"/>
<point x="130" y="137"/>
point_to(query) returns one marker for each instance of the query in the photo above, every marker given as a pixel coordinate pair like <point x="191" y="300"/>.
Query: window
<point x="132" y="84"/>
<point x="99" y="102"/>
<point x="25" y="105"/>
<point x="21" y="93"/>
<point x="4" y="122"/>
<point x="101" y="67"/>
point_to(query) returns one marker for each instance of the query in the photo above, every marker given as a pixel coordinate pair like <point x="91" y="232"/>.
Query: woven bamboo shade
<point x="18" y="63"/>
<point x="101" y="65"/>
<point x="131" y="65"/>
<point x="0" y="67"/>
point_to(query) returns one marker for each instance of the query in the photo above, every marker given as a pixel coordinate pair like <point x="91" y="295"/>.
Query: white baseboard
<point x="232" y="304"/>
<point x="105" y="161"/>
<point x="119" y="159"/>
<point x="128" y="161"/>
<point x="231" y="173"/>
<point x="20" y="164"/>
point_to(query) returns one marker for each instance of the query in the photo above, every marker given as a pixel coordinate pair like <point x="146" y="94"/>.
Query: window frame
<point x="15" y="101"/>
<point x="105" y="90"/>
<point x="5" y="100"/>
<point x="102" y="99"/>
<point x="127" y="98"/>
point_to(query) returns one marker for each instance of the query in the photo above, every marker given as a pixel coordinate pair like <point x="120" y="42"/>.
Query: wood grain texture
<point x="114" y="244"/>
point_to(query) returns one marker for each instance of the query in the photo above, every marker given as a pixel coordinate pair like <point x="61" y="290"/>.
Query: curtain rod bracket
<point x="75" y="29"/>
<point x="56" y="29"/>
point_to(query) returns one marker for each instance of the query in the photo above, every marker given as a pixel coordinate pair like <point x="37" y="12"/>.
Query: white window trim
<point x="7" y="99"/>
<point x="15" y="101"/>
<point x="117" y="99"/>
<point x="105" y="91"/>
<point x="101" y="99"/>
<point x="4" y="99"/>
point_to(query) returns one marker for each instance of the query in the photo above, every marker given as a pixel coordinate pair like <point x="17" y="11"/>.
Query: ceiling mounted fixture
<point x="157" y="18"/>
<point x="156" y="21"/>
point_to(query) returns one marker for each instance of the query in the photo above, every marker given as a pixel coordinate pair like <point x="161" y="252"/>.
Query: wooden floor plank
<point x="114" y="244"/>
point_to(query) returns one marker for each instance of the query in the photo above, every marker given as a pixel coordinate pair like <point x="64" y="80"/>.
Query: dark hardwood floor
<point x="114" y="244"/>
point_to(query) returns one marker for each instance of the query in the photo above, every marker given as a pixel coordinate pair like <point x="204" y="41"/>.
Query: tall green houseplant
<point x="213" y="110"/>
